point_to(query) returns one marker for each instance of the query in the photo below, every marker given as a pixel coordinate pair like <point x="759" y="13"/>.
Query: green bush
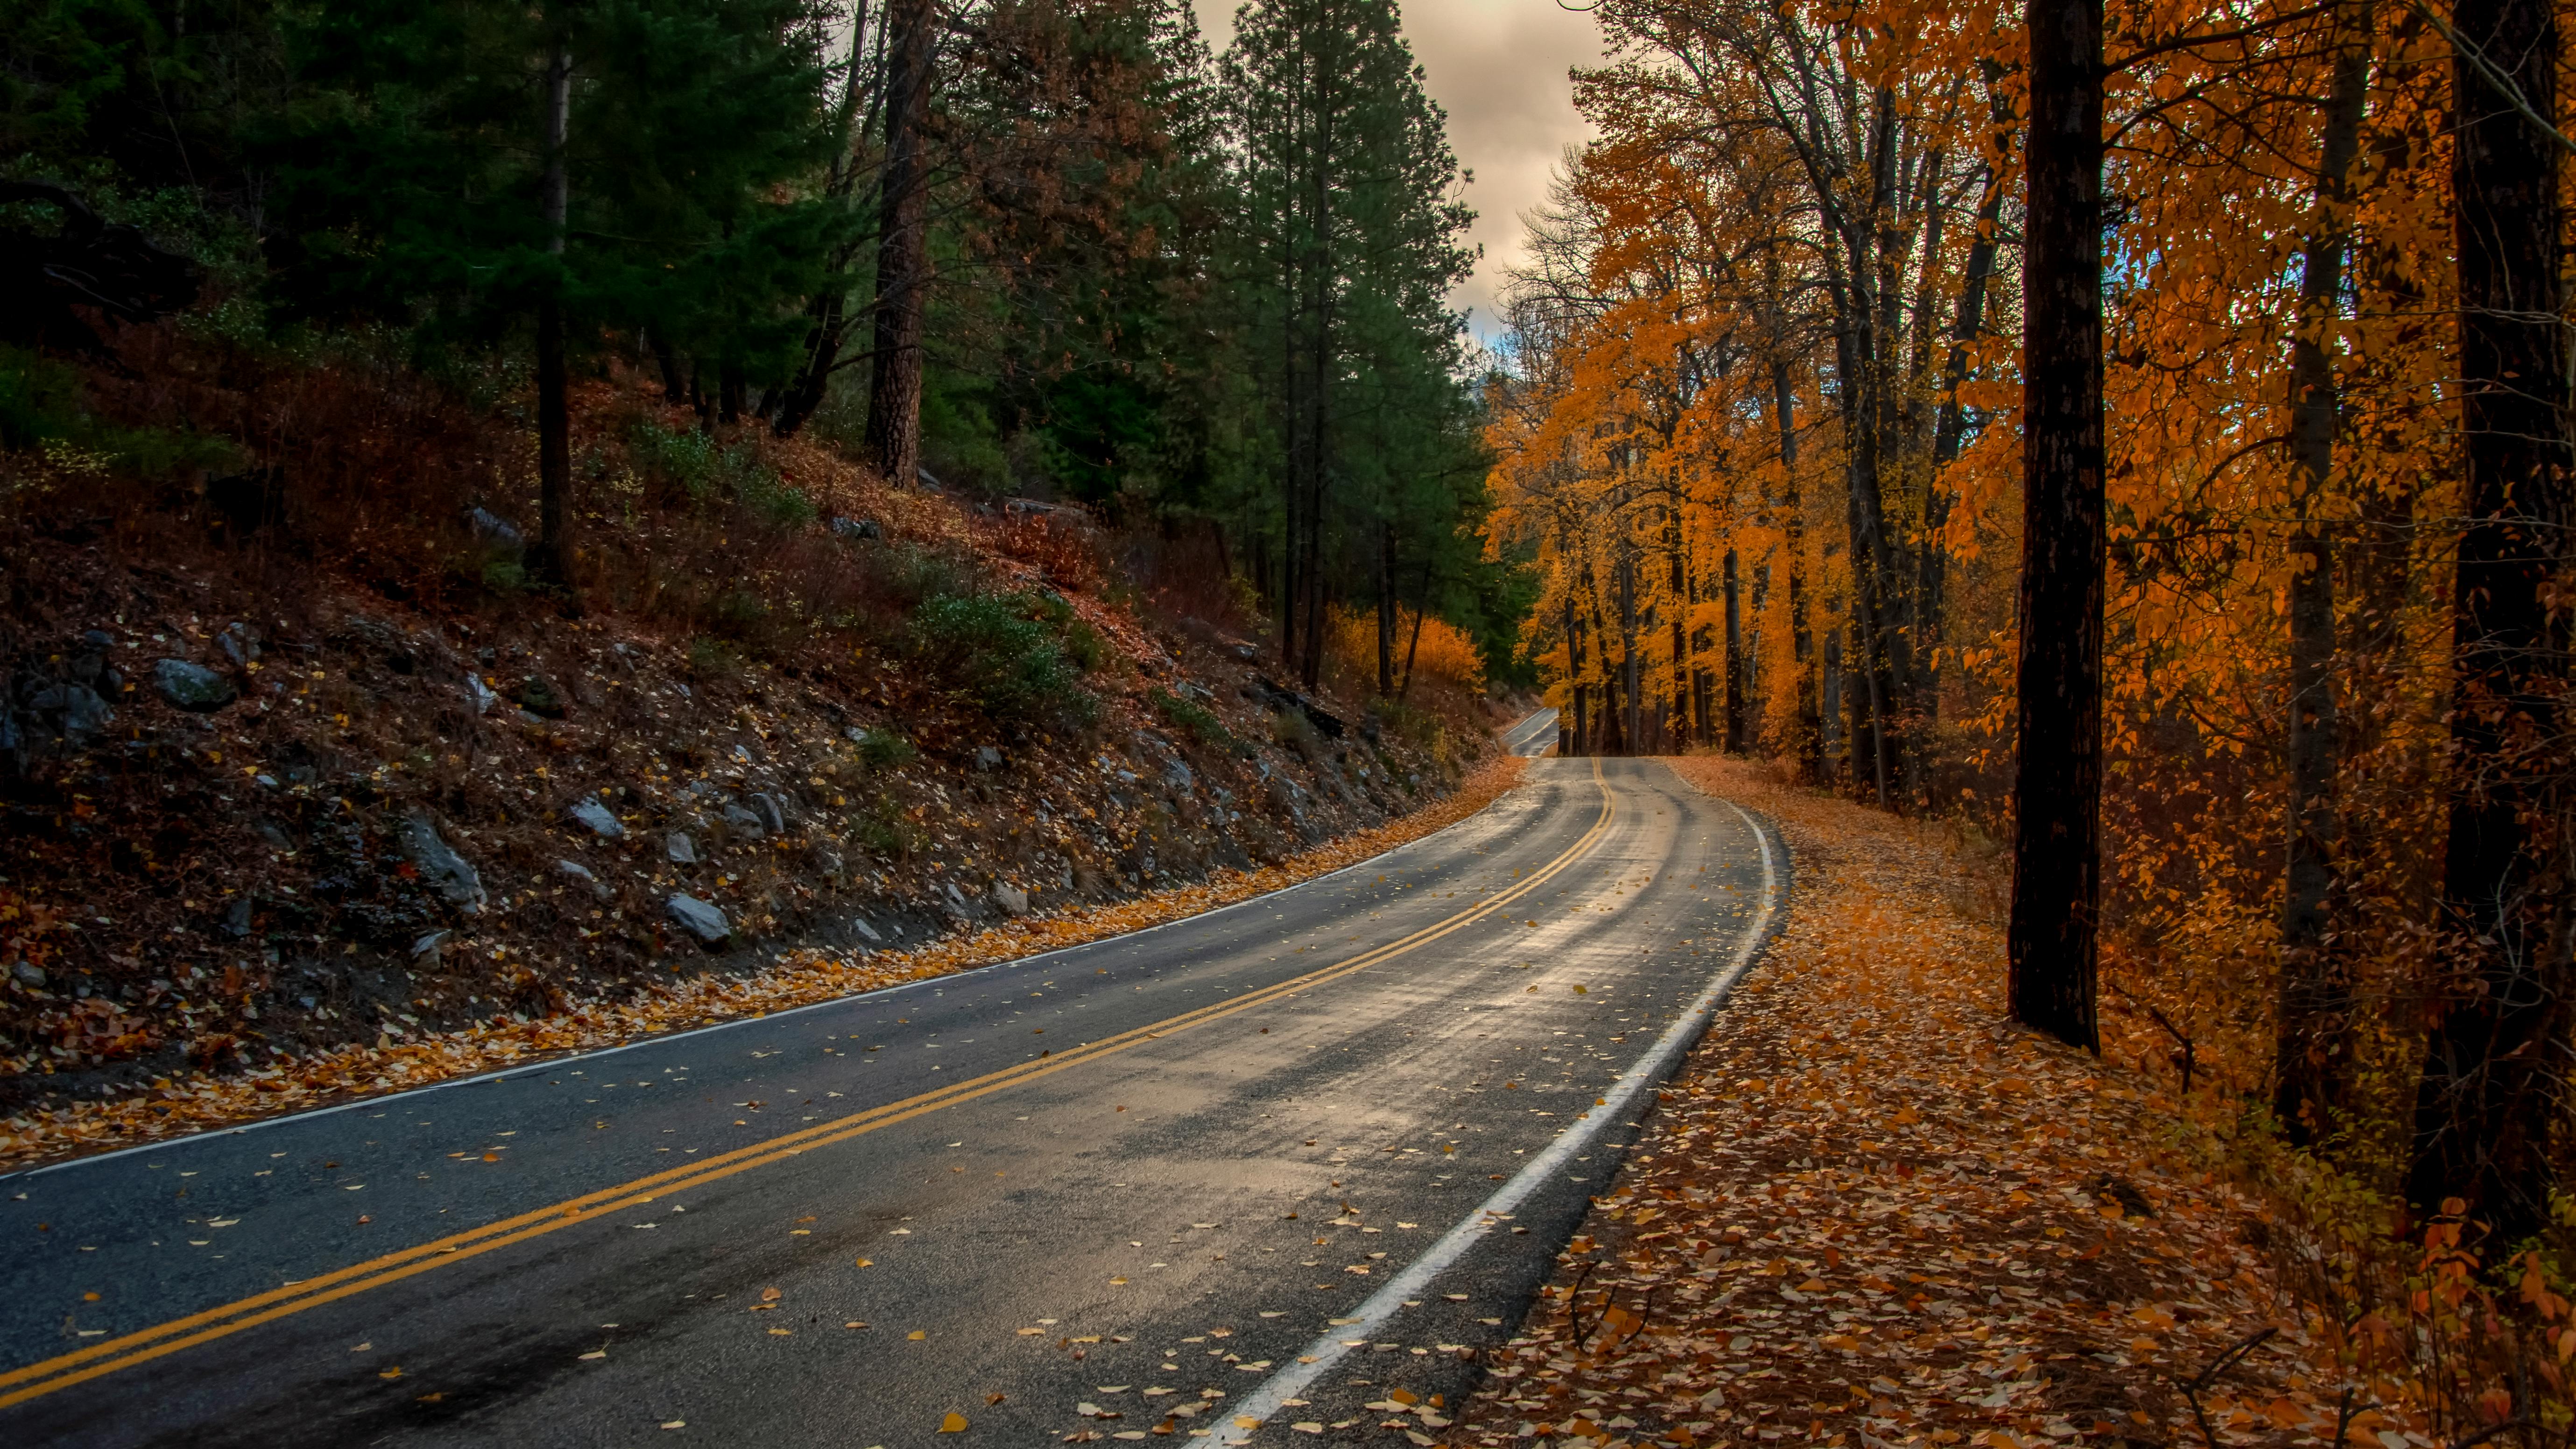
<point x="883" y="749"/>
<point x="883" y="832"/>
<point x="989" y="650"/>
<point x="1200" y="721"/>
<point x="692" y="460"/>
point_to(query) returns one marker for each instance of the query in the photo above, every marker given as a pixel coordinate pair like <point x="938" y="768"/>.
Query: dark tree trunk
<point x="1574" y="742"/>
<point x="554" y="421"/>
<point x="1385" y="610"/>
<point x="830" y="309"/>
<point x="674" y="387"/>
<point x="1734" y="741"/>
<point x="2488" y="1100"/>
<point x="893" y="442"/>
<point x="2052" y="940"/>
<point x="2311" y="1039"/>
<point x="1784" y="403"/>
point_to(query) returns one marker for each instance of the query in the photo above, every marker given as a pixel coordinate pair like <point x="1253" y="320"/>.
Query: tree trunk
<point x="2489" y="1097"/>
<point x="1385" y="610"/>
<point x="1734" y="740"/>
<point x="2311" y="1038"/>
<point x="830" y="309"/>
<point x="1576" y="742"/>
<point x="554" y="422"/>
<point x="1810" y="746"/>
<point x="2052" y="939"/>
<point x="892" y="444"/>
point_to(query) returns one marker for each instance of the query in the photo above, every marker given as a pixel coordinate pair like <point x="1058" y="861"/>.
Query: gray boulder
<point x="987" y="758"/>
<point x="701" y="920"/>
<point x="580" y="872"/>
<point x="864" y="929"/>
<point x="750" y="825"/>
<point x="679" y="849"/>
<point x="602" y="823"/>
<point x="1013" y="900"/>
<point x="450" y="874"/>
<point x="772" y="812"/>
<point x="192" y="686"/>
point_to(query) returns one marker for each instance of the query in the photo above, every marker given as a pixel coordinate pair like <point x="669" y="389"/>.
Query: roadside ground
<point x="796" y="978"/>
<point x="1871" y="1211"/>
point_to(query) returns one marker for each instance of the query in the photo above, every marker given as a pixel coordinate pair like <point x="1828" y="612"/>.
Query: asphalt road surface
<point x="1534" y="735"/>
<point x="1267" y="1164"/>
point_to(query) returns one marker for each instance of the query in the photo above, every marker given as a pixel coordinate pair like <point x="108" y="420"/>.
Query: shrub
<point x="883" y="749"/>
<point x="988" y="650"/>
<point x="1197" y="719"/>
<point x="883" y="832"/>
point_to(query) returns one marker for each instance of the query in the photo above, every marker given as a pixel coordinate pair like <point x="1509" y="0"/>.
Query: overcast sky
<point x="1499" y="68"/>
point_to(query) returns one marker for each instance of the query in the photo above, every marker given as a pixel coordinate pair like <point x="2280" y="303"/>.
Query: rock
<point x="857" y="528"/>
<point x="237" y="918"/>
<point x="956" y="895"/>
<point x="679" y="849"/>
<point x="492" y="528"/>
<point x="772" y="812"/>
<point x="192" y="686"/>
<point x="860" y="924"/>
<point x="702" y="920"/>
<point x="828" y="861"/>
<point x="482" y="696"/>
<point x="79" y="713"/>
<point x="1178" y="776"/>
<point x="987" y="758"/>
<point x="277" y="838"/>
<point x="424" y="952"/>
<point x="744" y="821"/>
<point x="448" y="873"/>
<point x="29" y="974"/>
<point x="1199" y="692"/>
<point x="238" y="644"/>
<point x="588" y="811"/>
<point x="538" y="696"/>
<point x="1012" y="899"/>
<point x="581" y="872"/>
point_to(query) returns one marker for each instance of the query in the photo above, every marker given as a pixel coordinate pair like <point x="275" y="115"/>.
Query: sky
<point x="1499" y="68"/>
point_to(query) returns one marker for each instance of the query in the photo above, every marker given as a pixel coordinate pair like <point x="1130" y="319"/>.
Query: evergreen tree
<point x="1351" y="244"/>
<point x="486" y="172"/>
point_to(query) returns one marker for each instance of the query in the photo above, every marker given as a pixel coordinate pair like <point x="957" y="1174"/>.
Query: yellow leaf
<point x="955" y="1423"/>
<point x="917" y="1335"/>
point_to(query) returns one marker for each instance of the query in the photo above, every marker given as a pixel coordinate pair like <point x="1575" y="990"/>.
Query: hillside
<point x="289" y="769"/>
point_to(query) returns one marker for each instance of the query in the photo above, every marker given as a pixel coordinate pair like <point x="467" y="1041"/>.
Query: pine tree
<point x="489" y="174"/>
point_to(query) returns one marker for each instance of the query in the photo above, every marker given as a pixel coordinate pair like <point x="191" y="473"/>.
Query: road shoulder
<point x="1868" y="1210"/>
<point x="175" y="1108"/>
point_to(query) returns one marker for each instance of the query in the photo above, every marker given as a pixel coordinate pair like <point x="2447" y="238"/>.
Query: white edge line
<point x="665" y="1038"/>
<point x="1659" y="1059"/>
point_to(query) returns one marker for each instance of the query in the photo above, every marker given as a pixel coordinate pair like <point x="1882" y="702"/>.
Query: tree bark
<point x="2488" y="1099"/>
<point x="2052" y="938"/>
<point x="892" y="444"/>
<point x="554" y="421"/>
<point x="2311" y="1032"/>
<point x="1734" y="742"/>
<point x="830" y="309"/>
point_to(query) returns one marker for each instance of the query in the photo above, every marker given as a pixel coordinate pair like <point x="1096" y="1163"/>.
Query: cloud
<point x="1499" y="68"/>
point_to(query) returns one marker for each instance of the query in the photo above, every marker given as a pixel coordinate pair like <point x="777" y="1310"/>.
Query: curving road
<point x="1535" y="735"/>
<point x="1268" y="1164"/>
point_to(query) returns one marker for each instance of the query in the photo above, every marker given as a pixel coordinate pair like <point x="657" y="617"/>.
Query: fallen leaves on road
<point x="1871" y="1211"/>
<point x="798" y="978"/>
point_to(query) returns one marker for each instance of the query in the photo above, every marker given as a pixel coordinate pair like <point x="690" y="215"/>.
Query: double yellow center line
<point x="116" y="1354"/>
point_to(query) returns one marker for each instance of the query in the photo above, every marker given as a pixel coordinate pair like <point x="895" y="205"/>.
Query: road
<point x="1535" y="735"/>
<point x="1266" y="1164"/>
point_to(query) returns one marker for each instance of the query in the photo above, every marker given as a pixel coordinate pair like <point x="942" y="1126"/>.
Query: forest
<point x="2134" y="441"/>
<point x="2138" y="436"/>
<point x="1055" y="250"/>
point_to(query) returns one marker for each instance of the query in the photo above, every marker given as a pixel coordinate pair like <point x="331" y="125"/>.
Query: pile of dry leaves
<point x="796" y="978"/>
<point x="1871" y="1211"/>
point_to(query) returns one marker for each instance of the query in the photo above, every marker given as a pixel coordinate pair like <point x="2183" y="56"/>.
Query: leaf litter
<point x="1871" y="1212"/>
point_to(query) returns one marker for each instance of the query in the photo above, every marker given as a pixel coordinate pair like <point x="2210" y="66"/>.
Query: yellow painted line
<point x="35" y="1380"/>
